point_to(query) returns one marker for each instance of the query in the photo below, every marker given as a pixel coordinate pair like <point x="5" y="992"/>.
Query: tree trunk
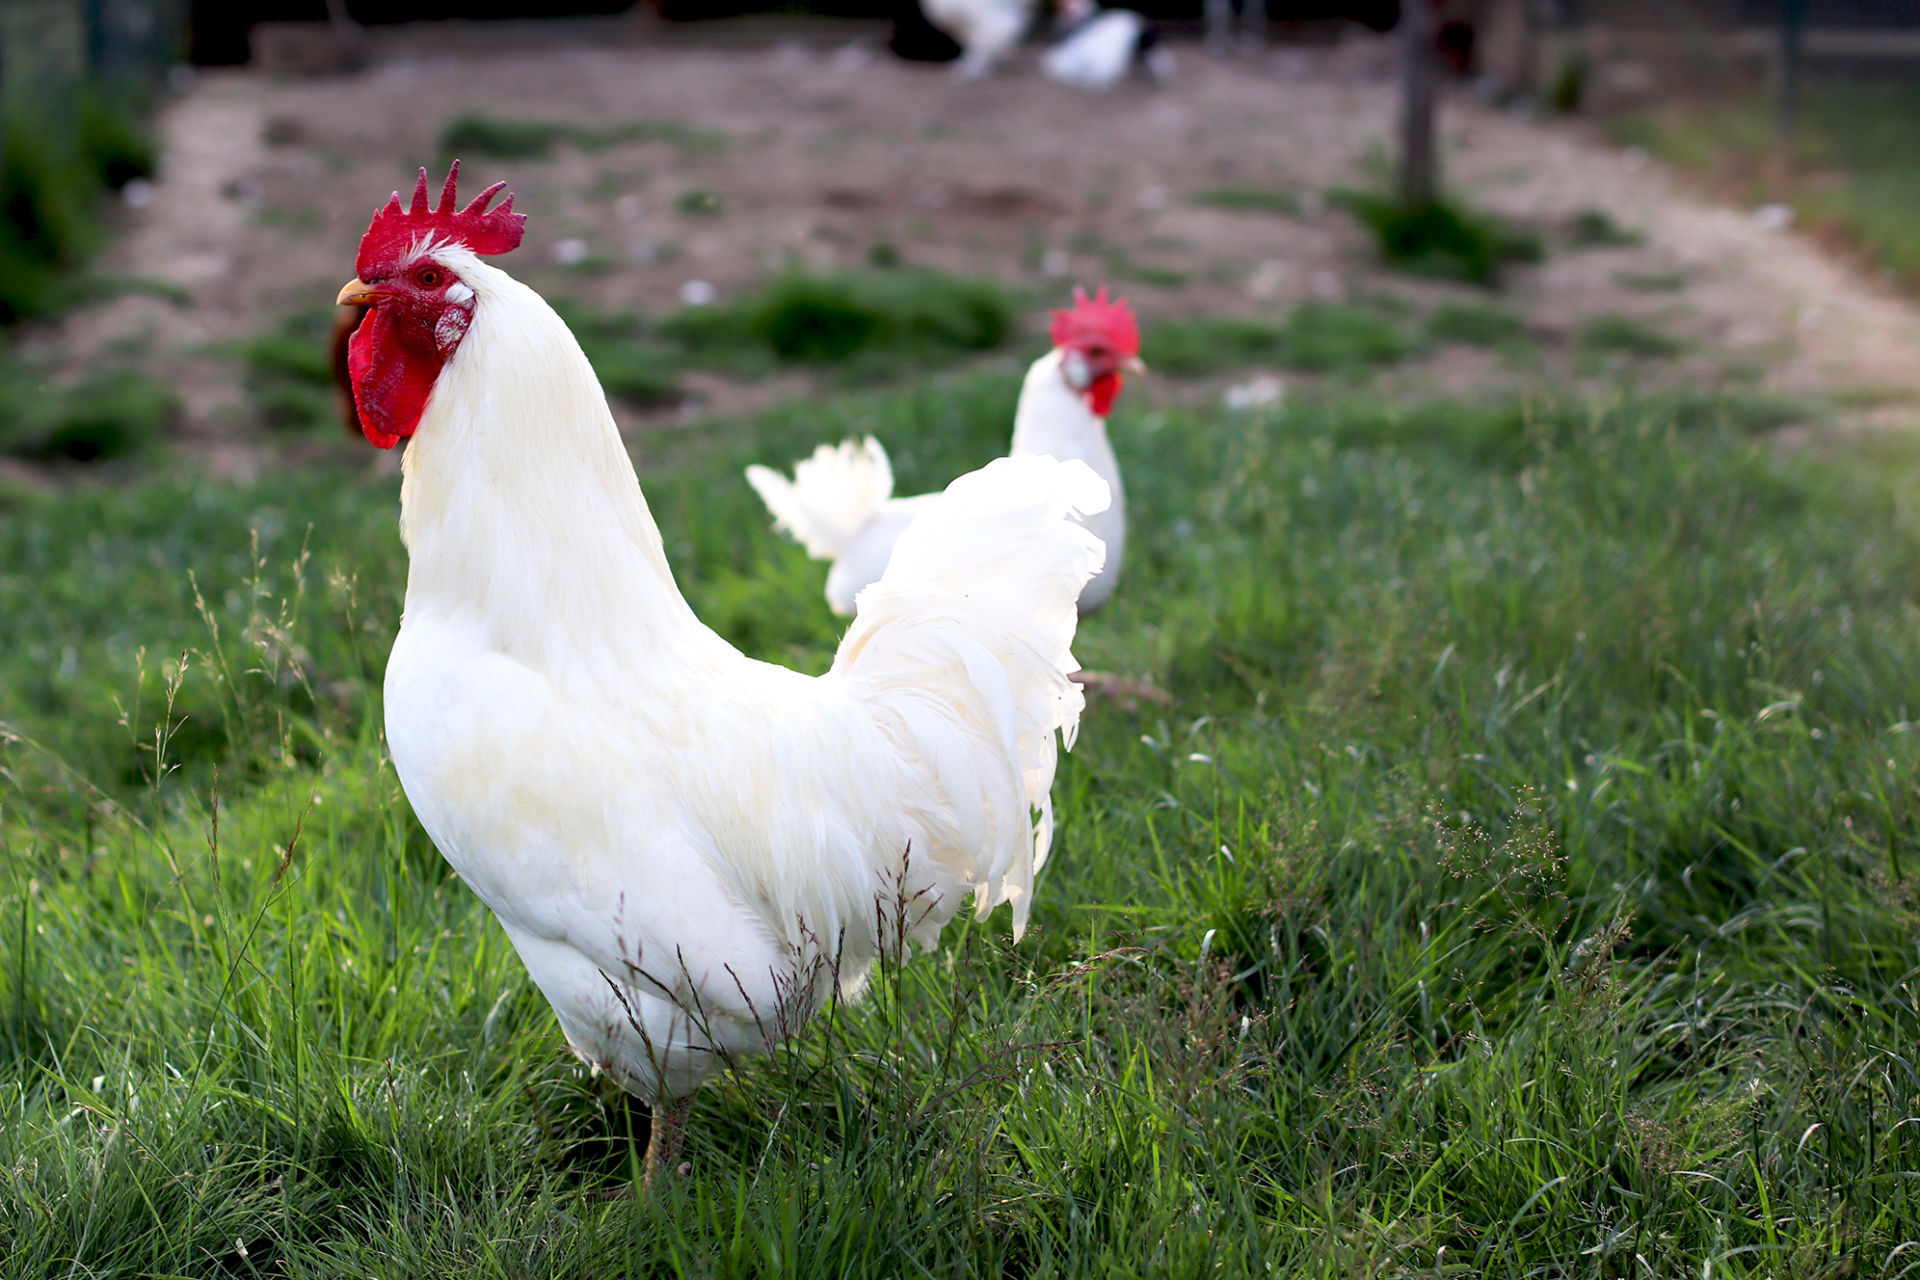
<point x="1419" y="181"/>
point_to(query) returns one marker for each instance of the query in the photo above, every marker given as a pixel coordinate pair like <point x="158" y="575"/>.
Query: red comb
<point x="1095" y="317"/>
<point x="394" y="230"/>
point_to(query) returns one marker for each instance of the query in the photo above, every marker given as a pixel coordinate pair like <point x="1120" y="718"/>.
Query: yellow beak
<point x="356" y="293"/>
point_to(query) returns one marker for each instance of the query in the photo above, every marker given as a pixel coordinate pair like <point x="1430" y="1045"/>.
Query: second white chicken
<point x="840" y="504"/>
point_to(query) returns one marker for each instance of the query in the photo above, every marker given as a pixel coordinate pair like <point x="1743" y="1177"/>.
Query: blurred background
<point x="1524" y="533"/>
<point x="183" y="182"/>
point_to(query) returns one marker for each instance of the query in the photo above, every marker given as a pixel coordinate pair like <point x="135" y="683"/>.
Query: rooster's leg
<point x="669" y="1128"/>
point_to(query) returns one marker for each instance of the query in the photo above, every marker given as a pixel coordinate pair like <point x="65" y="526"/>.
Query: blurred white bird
<point x="1098" y="48"/>
<point x="985" y="30"/>
<point x="840" y="504"/>
<point x="690" y="850"/>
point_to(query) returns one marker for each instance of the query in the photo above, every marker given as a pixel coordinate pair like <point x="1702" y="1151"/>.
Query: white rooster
<point x="689" y="848"/>
<point x="1097" y="48"/>
<point x="985" y="30"/>
<point x="840" y="504"/>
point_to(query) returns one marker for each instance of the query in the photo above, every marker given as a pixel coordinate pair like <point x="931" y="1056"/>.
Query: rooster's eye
<point x="426" y="277"/>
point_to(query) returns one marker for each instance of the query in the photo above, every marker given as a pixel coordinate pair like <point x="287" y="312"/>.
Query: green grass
<point x="1122" y="265"/>
<point x="1249" y="200"/>
<point x="1606" y="335"/>
<point x="1446" y="239"/>
<point x="1651" y="281"/>
<point x="1853" y="172"/>
<point x="1596" y="229"/>
<point x="1317" y="336"/>
<point x="1521" y="883"/>
<point x="478" y="134"/>
<point x="1476" y="324"/>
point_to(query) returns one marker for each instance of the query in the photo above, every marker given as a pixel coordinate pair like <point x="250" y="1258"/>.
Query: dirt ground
<point x="818" y="146"/>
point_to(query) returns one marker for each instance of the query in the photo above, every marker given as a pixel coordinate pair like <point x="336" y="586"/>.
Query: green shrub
<point x="48" y="223"/>
<point x="54" y="172"/>
<point x="879" y="316"/>
<point x="1444" y="238"/>
<point x="114" y="139"/>
<point x="1596" y="229"/>
<point x="476" y="134"/>
<point x="814" y="318"/>
<point x="112" y="414"/>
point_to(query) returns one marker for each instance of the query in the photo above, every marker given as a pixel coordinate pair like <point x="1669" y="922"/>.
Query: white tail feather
<point x="966" y="644"/>
<point x="831" y="495"/>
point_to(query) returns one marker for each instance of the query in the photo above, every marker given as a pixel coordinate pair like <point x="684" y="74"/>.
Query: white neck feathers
<point x="1054" y="419"/>
<point x="519" y="506"/>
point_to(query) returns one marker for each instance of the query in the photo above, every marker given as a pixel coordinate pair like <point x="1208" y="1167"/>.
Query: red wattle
<point x="392" y="378"/>
<point x="1102" y="392"/>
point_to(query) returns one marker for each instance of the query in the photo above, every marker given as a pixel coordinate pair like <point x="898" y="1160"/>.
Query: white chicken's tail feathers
<point x="965" y="643"/>
<point x="831" y="495"/>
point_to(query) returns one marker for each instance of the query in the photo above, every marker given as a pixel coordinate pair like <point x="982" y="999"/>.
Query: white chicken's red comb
<point x="1097" y="319"/>
<point x="394" y="230"/>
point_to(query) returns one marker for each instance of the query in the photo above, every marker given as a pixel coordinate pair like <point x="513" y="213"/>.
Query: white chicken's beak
<point x="1134" y="364"/>
<point x="356" y="293"/>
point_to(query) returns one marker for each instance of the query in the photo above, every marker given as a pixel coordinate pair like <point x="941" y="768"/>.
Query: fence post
<point x="1786" y="106"/>
<point x="1419" y="184"/>
<point x="93" y="20"/>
